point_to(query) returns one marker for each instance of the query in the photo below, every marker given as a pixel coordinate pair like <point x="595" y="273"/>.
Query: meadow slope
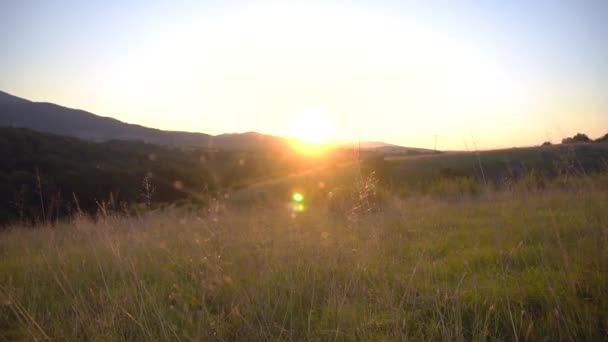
<point x="516" y="264"/>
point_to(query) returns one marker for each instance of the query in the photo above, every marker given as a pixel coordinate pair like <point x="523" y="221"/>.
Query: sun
<point x="312" y="127"/>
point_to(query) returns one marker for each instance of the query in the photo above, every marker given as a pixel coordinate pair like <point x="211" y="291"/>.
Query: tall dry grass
<point x="526" y="263"/>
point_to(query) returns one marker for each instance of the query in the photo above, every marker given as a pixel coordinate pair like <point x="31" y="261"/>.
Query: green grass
<point x="501" y="165"/>
<point x="508" y="265"/>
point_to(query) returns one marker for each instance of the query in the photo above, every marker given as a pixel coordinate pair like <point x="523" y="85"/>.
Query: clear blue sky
<point x="502" y="73"/>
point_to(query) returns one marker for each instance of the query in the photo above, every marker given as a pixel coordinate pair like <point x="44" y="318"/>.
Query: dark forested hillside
<point x="45" y="176"/>
<point x="42" y="175"/>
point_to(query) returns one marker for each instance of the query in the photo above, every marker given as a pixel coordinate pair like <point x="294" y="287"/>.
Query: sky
<point x="475" y="74"/>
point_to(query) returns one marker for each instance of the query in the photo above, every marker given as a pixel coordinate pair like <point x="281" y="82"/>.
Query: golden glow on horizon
<point x="312" y="126"/>
<point x="385" y="76"/>
<point x="339" y="57"/>
<point x="312" y="129"/>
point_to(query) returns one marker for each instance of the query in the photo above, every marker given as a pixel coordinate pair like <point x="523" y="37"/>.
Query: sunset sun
<point x="312" y="127"/>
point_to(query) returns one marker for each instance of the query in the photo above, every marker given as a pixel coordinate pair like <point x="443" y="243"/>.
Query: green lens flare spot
<point x="298" y="197"/>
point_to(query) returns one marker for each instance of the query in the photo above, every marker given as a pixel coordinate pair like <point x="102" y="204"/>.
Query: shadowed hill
<point x="43" y="174"/>
<point x="8" y="98"/>
<point x="388" y="149"/>
<point x="52" y="118"/>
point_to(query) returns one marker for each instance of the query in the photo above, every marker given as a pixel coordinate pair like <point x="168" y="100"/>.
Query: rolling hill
<point x="389" y="149"/>
<point x="52" y="118"/>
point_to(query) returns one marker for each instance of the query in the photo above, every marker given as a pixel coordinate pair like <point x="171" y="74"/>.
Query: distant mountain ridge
<point x="8" y="98"/>
<point x="52" y="118"/>
<point x="389" y="149"/>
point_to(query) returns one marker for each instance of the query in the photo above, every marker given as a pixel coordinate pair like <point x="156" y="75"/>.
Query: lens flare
<point x="298" y="197"/>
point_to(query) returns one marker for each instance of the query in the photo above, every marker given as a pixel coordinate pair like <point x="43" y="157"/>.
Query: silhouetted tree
<point x="602" y="139"/>
<point x="578" y="138"/>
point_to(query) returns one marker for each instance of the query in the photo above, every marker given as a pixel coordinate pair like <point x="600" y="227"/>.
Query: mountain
<point x="52" y="118"/>
<point x="8" y="98"/>
<point x="389" y="149"/>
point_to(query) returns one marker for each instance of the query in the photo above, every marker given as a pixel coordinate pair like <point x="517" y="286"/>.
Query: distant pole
<point x="435" y="143"/>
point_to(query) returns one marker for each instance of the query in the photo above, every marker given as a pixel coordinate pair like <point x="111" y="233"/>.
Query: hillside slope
<point x="52" y="118"/>
<point x="43" y="174"/>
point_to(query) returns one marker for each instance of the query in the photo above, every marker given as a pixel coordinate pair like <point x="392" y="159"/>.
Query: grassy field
<point x="347" y="263"/>
<point x="498" y="166"/>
